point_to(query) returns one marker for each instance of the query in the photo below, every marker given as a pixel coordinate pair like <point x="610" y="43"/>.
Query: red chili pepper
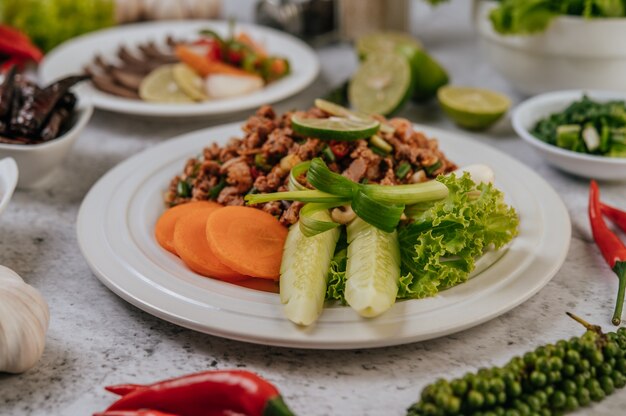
<point x="616" y="215"/>
<point x="214" y="48"/>
<point x="17" y="45"/>
<point x="611" y="247"/>
<point x="339" y="149"/>
<point x="140" y="412"/>
<point x="209" y="393"/>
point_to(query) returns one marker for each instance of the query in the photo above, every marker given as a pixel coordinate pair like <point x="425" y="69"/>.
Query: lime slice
<point x="339" y="111"/>
<point x="159" y="86"/>
<point x="189" y="82"/>
<point x="473" y="108"/>
<point x="385" y="42"/>
<point x="334" y="128"/>
<point x="382" y="84"/>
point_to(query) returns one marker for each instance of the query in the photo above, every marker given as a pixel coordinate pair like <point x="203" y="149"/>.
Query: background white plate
<point x="8" y="180"/>
<point x="115" y="233"/>
<point x="72" y="56"/>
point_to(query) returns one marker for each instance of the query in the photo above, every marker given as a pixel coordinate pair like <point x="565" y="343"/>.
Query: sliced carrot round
<point x="247" y="240"/>
<point x="164" y="228"/>
<point x="193" y="248"/>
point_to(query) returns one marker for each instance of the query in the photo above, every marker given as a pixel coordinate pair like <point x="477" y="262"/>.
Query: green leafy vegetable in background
<point x="517" y="17"/>
<point x="587" y="126"/>
<point x="439" y="248"/>
<point x="523" y="17"/>
<point x="50" y="22"/>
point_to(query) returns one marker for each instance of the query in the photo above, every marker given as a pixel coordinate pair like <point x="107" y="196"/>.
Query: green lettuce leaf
<point x="336" y="285"/>
<point x="439" y="248"/>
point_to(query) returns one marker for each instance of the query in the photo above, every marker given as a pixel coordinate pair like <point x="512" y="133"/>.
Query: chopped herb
<point x="183" y="189"/>
<point x="432" y="168"/>
<point x="215" y="191"/>
<point x="403" y="169"/>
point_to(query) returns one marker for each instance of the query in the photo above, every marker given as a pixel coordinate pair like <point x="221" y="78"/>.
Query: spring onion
<point x="384" y="216"/>
<point x="295" y="172"/>
<point x="310" y="224"/>
<point x="302" y="196"/>
<point x="325" y="180"/>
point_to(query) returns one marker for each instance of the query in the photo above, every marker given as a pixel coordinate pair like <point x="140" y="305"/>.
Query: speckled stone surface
<point x="95" y="338"/>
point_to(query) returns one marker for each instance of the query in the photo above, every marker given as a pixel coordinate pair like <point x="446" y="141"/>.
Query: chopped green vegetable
<point x="310" y="224"/>
<point x="440" y="247"/>
<point x="380" y="143"/>
<point x="183" y="189"/>
<point x="403" y="169"/>
<point x="586" y="126"/>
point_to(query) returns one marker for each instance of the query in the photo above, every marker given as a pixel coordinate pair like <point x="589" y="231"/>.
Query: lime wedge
<point x="189" y="82"/>
<point x="385" y="42"/>
<point x="382" y="84"/>
<point x="334" y="128"/>
<point x="159" y="86"/>
<point x="473" y="108"/>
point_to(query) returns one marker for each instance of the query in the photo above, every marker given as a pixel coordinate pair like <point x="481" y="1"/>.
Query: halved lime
<point x="385" y="42"/>
<point x="334" y="128"/>
<point x="473" y="108"/>
<point x="382" y="84"/>
<point x="160" y="86"/>
<point x="429" y="75"/>
<point x="189" y="82"/>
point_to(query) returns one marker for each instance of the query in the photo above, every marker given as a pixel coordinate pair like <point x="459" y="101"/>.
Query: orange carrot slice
<point x="204" y="66"/>
<point x="191" y="245"/>
<point x="244" y="38"/>
<point x="247" y="240"/>
<point x="164" y="228"/>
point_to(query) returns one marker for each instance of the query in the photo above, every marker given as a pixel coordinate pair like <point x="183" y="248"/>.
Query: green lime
<point x="382" y="84"/>
<point x="189" y="82"/>
<point x="338" y="110"/>
<point x="159" y="86"/>
<point x="473" y="108"/>
<point x="334" y="128"/>
<point x="385" y="42"/>
<point x="429" y="76"/>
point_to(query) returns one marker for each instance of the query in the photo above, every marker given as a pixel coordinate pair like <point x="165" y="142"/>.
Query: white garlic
<point x="24" y="318"/>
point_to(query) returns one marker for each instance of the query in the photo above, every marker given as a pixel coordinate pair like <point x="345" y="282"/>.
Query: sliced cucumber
<point x="373" y="268"/>
<point x="304" y="271"/>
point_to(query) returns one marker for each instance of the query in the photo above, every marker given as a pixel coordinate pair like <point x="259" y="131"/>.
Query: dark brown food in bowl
<point x="261" y="160"/>
<point x="33" y="115"/>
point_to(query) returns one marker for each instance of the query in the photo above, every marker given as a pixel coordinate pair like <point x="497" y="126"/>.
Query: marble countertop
<point x="96" y="339"/>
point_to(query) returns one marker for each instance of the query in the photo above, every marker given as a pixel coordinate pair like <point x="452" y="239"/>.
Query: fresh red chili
<point x="616" y="215"/>
<point x="17" y="45"/>
<point x="210" y="393"/>
<point x="140" y="412"/>
<point x="611" y="247"/>
<point x="340" y="149"/>
<point x="214" y="48"/>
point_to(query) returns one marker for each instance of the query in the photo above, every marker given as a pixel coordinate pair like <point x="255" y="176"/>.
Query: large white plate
<point x="115" y="233"/>
<point x="71" y="57"/>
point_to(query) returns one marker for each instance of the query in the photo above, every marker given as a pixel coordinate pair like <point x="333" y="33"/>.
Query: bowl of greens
<point x="542" y="46"/>
<point x="580" y="132"/>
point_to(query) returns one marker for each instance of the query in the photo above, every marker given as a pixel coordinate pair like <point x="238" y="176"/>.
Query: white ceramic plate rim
<point x="72" y="56"/>
<point x="115" y="224"/>
<point x="523" y="121"/>
<point x="8" y="181"/>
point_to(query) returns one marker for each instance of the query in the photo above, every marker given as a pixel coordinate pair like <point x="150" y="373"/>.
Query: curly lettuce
<point x="336" y="285"/>
<point x="440" y="247"/>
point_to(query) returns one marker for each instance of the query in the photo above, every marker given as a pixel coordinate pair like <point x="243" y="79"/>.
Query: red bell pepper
<point x="140" y="412"/>
<point x="210" y="393"/>
<point x="17" y="47"/>
<point x="611" y="247"/>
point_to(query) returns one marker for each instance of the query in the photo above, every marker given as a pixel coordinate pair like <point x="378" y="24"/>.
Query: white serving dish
<point x="528" y="113"/>
<point x="123" y="253"/>
<point x="8" y="180"/>
<point x="572" y="53"/>
<point x="72" y="56"/>
<point x="36" y="162"/>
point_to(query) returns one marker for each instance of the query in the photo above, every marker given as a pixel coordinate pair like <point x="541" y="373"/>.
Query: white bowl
<point x="8" y="180"/>
<point x="37" y="161"/>
<point x="528" y="113"/>
<point x="572" y="53"/>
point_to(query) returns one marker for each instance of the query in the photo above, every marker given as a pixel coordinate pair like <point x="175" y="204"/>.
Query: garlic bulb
<point x="138" y="10"/>
<point x="24" y="320"/>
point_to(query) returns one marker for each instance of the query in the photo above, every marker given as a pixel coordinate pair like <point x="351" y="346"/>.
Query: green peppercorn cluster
<point x="552" y="380"/>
